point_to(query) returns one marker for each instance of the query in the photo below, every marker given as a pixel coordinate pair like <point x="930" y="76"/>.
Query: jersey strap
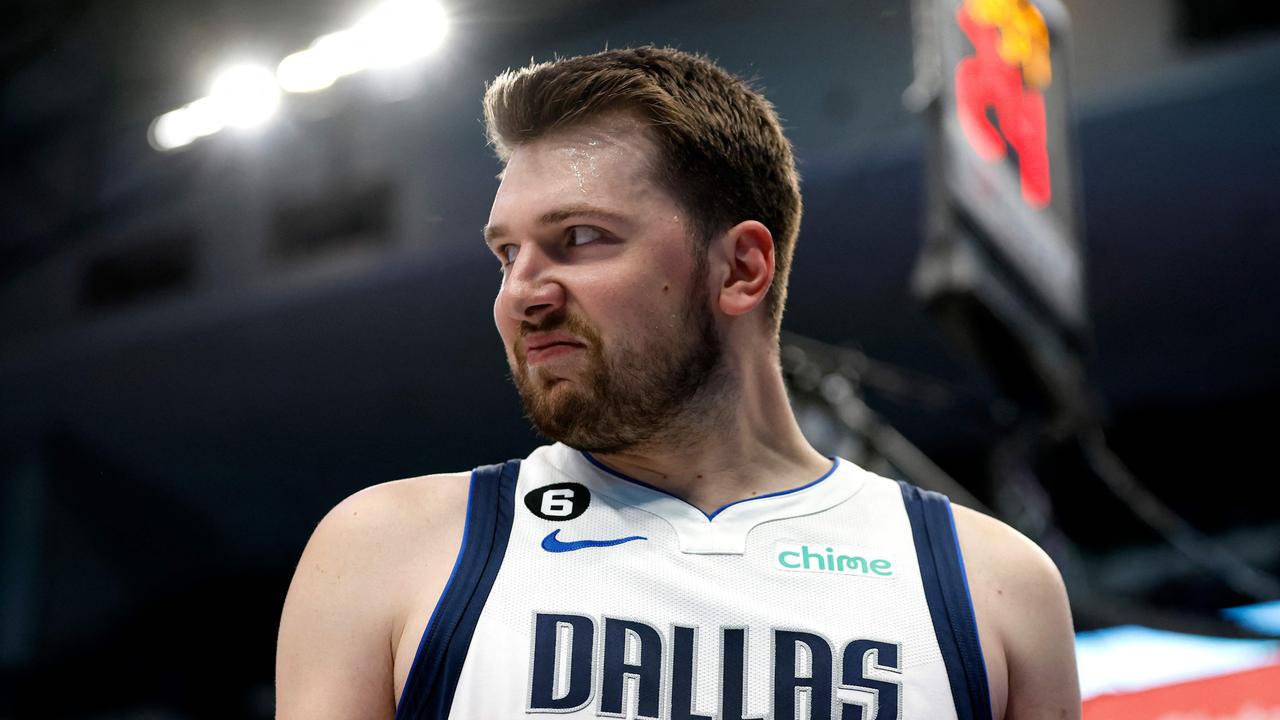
<point x="433" y="677"/>
<point x="947" y="591"/>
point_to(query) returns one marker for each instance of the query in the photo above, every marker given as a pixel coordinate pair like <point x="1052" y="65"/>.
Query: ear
<point x="747" y="253"/>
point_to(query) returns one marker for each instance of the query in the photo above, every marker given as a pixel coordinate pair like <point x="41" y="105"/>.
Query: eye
<point x="507" y="254"/>
<point x="583" y="234"/>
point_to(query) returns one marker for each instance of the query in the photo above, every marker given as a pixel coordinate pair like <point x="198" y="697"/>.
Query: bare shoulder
<point x="1024" y="619"/>
<point x="398" y="510"/>
<point x="997" y="552"/>
<point x="378" y="532"/>
<point x="358" y="575"/>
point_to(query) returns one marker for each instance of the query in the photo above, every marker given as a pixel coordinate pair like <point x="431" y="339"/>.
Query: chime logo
<point x="803" y="557"/>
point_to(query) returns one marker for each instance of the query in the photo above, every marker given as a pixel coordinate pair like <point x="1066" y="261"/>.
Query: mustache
<point x="562" y="320"/>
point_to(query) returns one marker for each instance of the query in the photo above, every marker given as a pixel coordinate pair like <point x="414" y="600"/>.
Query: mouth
<point x="548" y="351"/>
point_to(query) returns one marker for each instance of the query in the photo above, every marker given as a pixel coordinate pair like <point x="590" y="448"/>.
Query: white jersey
<point x="582" y="593"/>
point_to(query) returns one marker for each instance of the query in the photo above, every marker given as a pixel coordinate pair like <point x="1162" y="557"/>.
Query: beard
<point x="635" y="393"/>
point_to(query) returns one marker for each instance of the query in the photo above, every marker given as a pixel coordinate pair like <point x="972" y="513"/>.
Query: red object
<point x="1249" y="695"/>
<point x="984" y="80"/>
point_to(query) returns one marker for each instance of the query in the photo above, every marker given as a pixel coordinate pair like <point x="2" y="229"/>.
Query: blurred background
<point x="241" y="277"/>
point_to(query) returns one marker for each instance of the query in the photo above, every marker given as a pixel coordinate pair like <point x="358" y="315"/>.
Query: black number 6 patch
<point x="558" y="501"/>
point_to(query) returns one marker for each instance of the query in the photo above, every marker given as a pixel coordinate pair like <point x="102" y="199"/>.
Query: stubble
<point x="660" y="389"/>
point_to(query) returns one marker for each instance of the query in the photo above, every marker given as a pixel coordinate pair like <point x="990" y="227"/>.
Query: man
<point x="681" y="551"/>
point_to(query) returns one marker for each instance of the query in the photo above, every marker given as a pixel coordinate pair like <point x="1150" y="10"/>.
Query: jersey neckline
<point x="835" y="463"/>
<point x="725" y="531"/>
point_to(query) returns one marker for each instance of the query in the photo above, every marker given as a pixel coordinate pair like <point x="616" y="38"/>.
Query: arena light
<point x="181" y="127"/>
<point x="399" y="32"/>
<point x="303" y="72"/>
<point x="204" y="116"/>
<point x="245" y="96"/>
<point x="319" y="66"/>
<point x="392" y="34"/>
<point x="171" y="131"/>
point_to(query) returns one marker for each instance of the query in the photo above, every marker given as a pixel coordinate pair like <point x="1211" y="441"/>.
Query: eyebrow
<point x="559" y="215"/>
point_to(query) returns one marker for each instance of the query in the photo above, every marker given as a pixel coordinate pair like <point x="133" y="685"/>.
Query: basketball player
<point x="680" y="552"/>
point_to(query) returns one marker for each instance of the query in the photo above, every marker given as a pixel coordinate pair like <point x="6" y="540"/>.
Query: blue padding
<point x="947" y="591"/>
<point x="433" y="677"/>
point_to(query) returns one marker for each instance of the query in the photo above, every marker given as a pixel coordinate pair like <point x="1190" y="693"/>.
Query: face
<point x="604" y="309"/>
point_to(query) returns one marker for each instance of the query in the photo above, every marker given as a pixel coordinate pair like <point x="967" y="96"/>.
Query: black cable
<point x="1195" y="545"/>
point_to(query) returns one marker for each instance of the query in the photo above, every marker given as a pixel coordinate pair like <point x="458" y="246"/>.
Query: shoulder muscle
<point x="1019" y="596"/>
<point x="348" y="596"/>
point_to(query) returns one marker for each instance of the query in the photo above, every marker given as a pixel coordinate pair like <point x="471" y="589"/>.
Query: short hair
<point x="722" y="153"/>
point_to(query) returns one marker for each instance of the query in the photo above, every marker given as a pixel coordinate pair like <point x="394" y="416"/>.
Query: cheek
<point x="652" y="303"/>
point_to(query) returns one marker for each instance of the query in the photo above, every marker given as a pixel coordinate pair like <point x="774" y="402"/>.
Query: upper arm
<point x="335" y="651"/>
<point x="1039" y="641"/>
<point x="1020" y="597"/>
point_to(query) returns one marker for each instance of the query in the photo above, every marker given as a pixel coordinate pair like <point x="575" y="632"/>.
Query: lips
<point x="541" y="347"/>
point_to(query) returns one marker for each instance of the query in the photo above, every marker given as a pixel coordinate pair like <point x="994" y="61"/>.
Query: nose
<point x="530" y="289"/>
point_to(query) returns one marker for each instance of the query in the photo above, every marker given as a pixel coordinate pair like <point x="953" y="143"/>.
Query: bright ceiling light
<point x="305" y="71"/>
<point x="171" y="131"/>
<point x="245" y="95"/>
<point x="330" y="57"/>
<point x="394" y="33"/>
<point x="341" y="52"/>
<point x="400" y="31"/>
<point x="181" y="127"/>
<point x="204" y="116"/>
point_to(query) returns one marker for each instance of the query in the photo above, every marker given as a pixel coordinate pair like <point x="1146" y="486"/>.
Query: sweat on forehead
<point x="618" y="132"/>
<point x="611" y="171"/>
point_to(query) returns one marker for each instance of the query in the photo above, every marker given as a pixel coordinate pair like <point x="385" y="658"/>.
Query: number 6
<point x="558" y="502"/>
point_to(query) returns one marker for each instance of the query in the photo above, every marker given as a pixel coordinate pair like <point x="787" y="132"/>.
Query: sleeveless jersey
<point x="581" y="593"/>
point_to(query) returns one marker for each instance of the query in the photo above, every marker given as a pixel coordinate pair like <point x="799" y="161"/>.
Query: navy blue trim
<point x="835" y="463"/>
<point x="947" y="591"/>
<point x="433" y="677"/>
<point x="968" y="595"/>
<point x="410" y="680"/>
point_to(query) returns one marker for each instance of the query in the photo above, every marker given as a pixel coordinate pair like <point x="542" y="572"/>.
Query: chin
<point x="545" y="381"/>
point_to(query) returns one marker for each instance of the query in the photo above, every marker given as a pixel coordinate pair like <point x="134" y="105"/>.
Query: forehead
<point x="606" y="161"/>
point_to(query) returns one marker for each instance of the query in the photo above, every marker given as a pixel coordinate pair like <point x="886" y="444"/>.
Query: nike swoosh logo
<point x="551" y="543"/>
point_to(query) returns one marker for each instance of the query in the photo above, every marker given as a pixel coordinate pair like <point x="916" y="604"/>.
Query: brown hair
<point x="723" y="155"/>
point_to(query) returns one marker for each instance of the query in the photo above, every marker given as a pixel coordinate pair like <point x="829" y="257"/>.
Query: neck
<point x="741" y="443"/>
